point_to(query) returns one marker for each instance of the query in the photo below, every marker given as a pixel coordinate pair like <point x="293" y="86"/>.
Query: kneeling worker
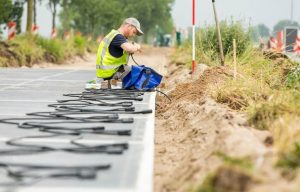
<point x="114" y="50"/>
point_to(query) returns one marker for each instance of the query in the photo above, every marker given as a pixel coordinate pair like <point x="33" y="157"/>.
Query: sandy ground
<point x="193" y="127"/>
<point x="155" y="58"/>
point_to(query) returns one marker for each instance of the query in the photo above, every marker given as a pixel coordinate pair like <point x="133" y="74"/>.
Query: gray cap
<point x="135" y="23"/>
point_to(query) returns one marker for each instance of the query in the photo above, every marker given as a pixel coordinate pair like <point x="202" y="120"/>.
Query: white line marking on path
<point x="54" y="75"/>
<point x="28" y="100"/>
<point x="50" y="80"/>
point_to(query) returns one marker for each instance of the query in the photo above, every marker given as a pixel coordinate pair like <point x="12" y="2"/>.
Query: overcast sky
<point x="253" y="11"/>
<point x="268" y="12"/>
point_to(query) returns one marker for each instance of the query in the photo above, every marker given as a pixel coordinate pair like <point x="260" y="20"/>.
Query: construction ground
<point x="192" y="127"/>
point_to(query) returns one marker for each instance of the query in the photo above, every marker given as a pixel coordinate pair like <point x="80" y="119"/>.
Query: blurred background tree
<point x="100" y="16"/>
<point x="258" y="32"/>
<point x="280" y="25"/>
<point x="5" y="11"/>
<point x="11" y="11"/>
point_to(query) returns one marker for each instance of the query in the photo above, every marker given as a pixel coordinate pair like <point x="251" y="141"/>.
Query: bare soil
<point x="192" y="128"/>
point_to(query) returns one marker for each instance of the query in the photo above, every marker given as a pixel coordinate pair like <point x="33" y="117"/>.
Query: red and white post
<point x="280" y="45"/>
<point x="34" y="29"/>
<point x="193" y="38"/>
<point x="297" y="44"/>
<point x="273" y="44"/>
<point x="67" y="35"/>
<point x="11" y="30"/>
<point x="53" y="33"/>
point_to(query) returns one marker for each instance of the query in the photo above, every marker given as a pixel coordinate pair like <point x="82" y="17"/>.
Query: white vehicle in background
<point x="290" y="40"/>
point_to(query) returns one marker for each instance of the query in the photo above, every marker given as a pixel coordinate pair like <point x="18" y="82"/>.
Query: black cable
<point x="108" y="111"/>
<point x="19" y="172"/>
<point x="117" y="109"/>
<point x="86" y="112"/>
<point x="76" y="142"/>
<point x="79" y="132"/>
<point x="155" y="89"/>
<point x="164" y="94"/>
<point x="58" y="115"/>
<point x="134" y="60"/>
<point x="50" y="127"/>
<point x="111" y="148"/>
<point x="90" y="102"/>
<point x="110" y="98"/>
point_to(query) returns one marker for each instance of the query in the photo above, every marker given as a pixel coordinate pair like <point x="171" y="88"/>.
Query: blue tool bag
<point x="141" y="78"/>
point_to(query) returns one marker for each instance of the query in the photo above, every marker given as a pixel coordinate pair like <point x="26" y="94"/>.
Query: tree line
<point x="92" y="16"/>
<point x="263" y="31"/>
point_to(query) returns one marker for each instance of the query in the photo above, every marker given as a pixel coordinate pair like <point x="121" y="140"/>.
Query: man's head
<point x="131" y="27"/>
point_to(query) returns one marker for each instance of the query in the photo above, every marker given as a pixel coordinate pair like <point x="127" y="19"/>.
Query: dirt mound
<point x="9" y="56"/>
<point x="223" y="181"/>
<point x="274" y="55"/>
<point x="192" y="128"/>
<point x="192" y="90"/>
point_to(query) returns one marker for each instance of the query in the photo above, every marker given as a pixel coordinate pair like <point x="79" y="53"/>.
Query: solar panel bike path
<point x="57" y="136"/>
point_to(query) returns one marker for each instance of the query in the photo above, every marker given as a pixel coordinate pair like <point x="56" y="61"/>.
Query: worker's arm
<point x="130" y="47"/>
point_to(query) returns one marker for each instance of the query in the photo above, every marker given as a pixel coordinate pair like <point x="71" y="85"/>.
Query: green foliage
<point x="27" y="51"/>
<point x="263" y="114"/>
<point x="3" y="62"/>
<point x="285" y="23"/>
<point x="5" y="10"/>
<point x="66" y="16"/>
<point x="290" y="160"/>
<point x="242" y="163"/>
<point x="54" y="49"/>
<point x="96" y="16"/>
<point x="80" y="45"/>
<point x="254" y="34"/>
<point x="17" y="12"/>
<point x="151" y="13"/>
<point x="208" y="41"/>
<point x="226" y="179"/>
<point x="11" y="11"/>
<point x="100" y="16"/>
<point x="259" y="31"/>
<point x="293" y="78"/>
<point x="263" y="30"/>
<point x="207" y="47"/>
<point x="92" y="47"/>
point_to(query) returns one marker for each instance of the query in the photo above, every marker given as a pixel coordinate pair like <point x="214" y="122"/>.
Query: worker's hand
<point x="131" y="47"/>
<point x="136" y="46"/>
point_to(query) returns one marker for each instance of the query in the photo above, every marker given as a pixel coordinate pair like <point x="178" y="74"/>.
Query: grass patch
<point x="54" y="49"/>
<point x="80" y="45"/>
<point x="226" y="179"/>
<point x="3" y="62"/>
<point x="28" y="49"/>
<point x="293" y="78"/>
<point x="267" y="89"/>
<point x="234" y="175"/>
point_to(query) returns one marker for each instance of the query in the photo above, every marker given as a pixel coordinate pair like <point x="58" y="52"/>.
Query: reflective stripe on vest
<point x="107" y="64"/>
<point x="105" y="67"/>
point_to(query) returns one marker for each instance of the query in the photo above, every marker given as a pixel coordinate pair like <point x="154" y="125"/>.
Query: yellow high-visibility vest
<point x="106" y="64"/>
